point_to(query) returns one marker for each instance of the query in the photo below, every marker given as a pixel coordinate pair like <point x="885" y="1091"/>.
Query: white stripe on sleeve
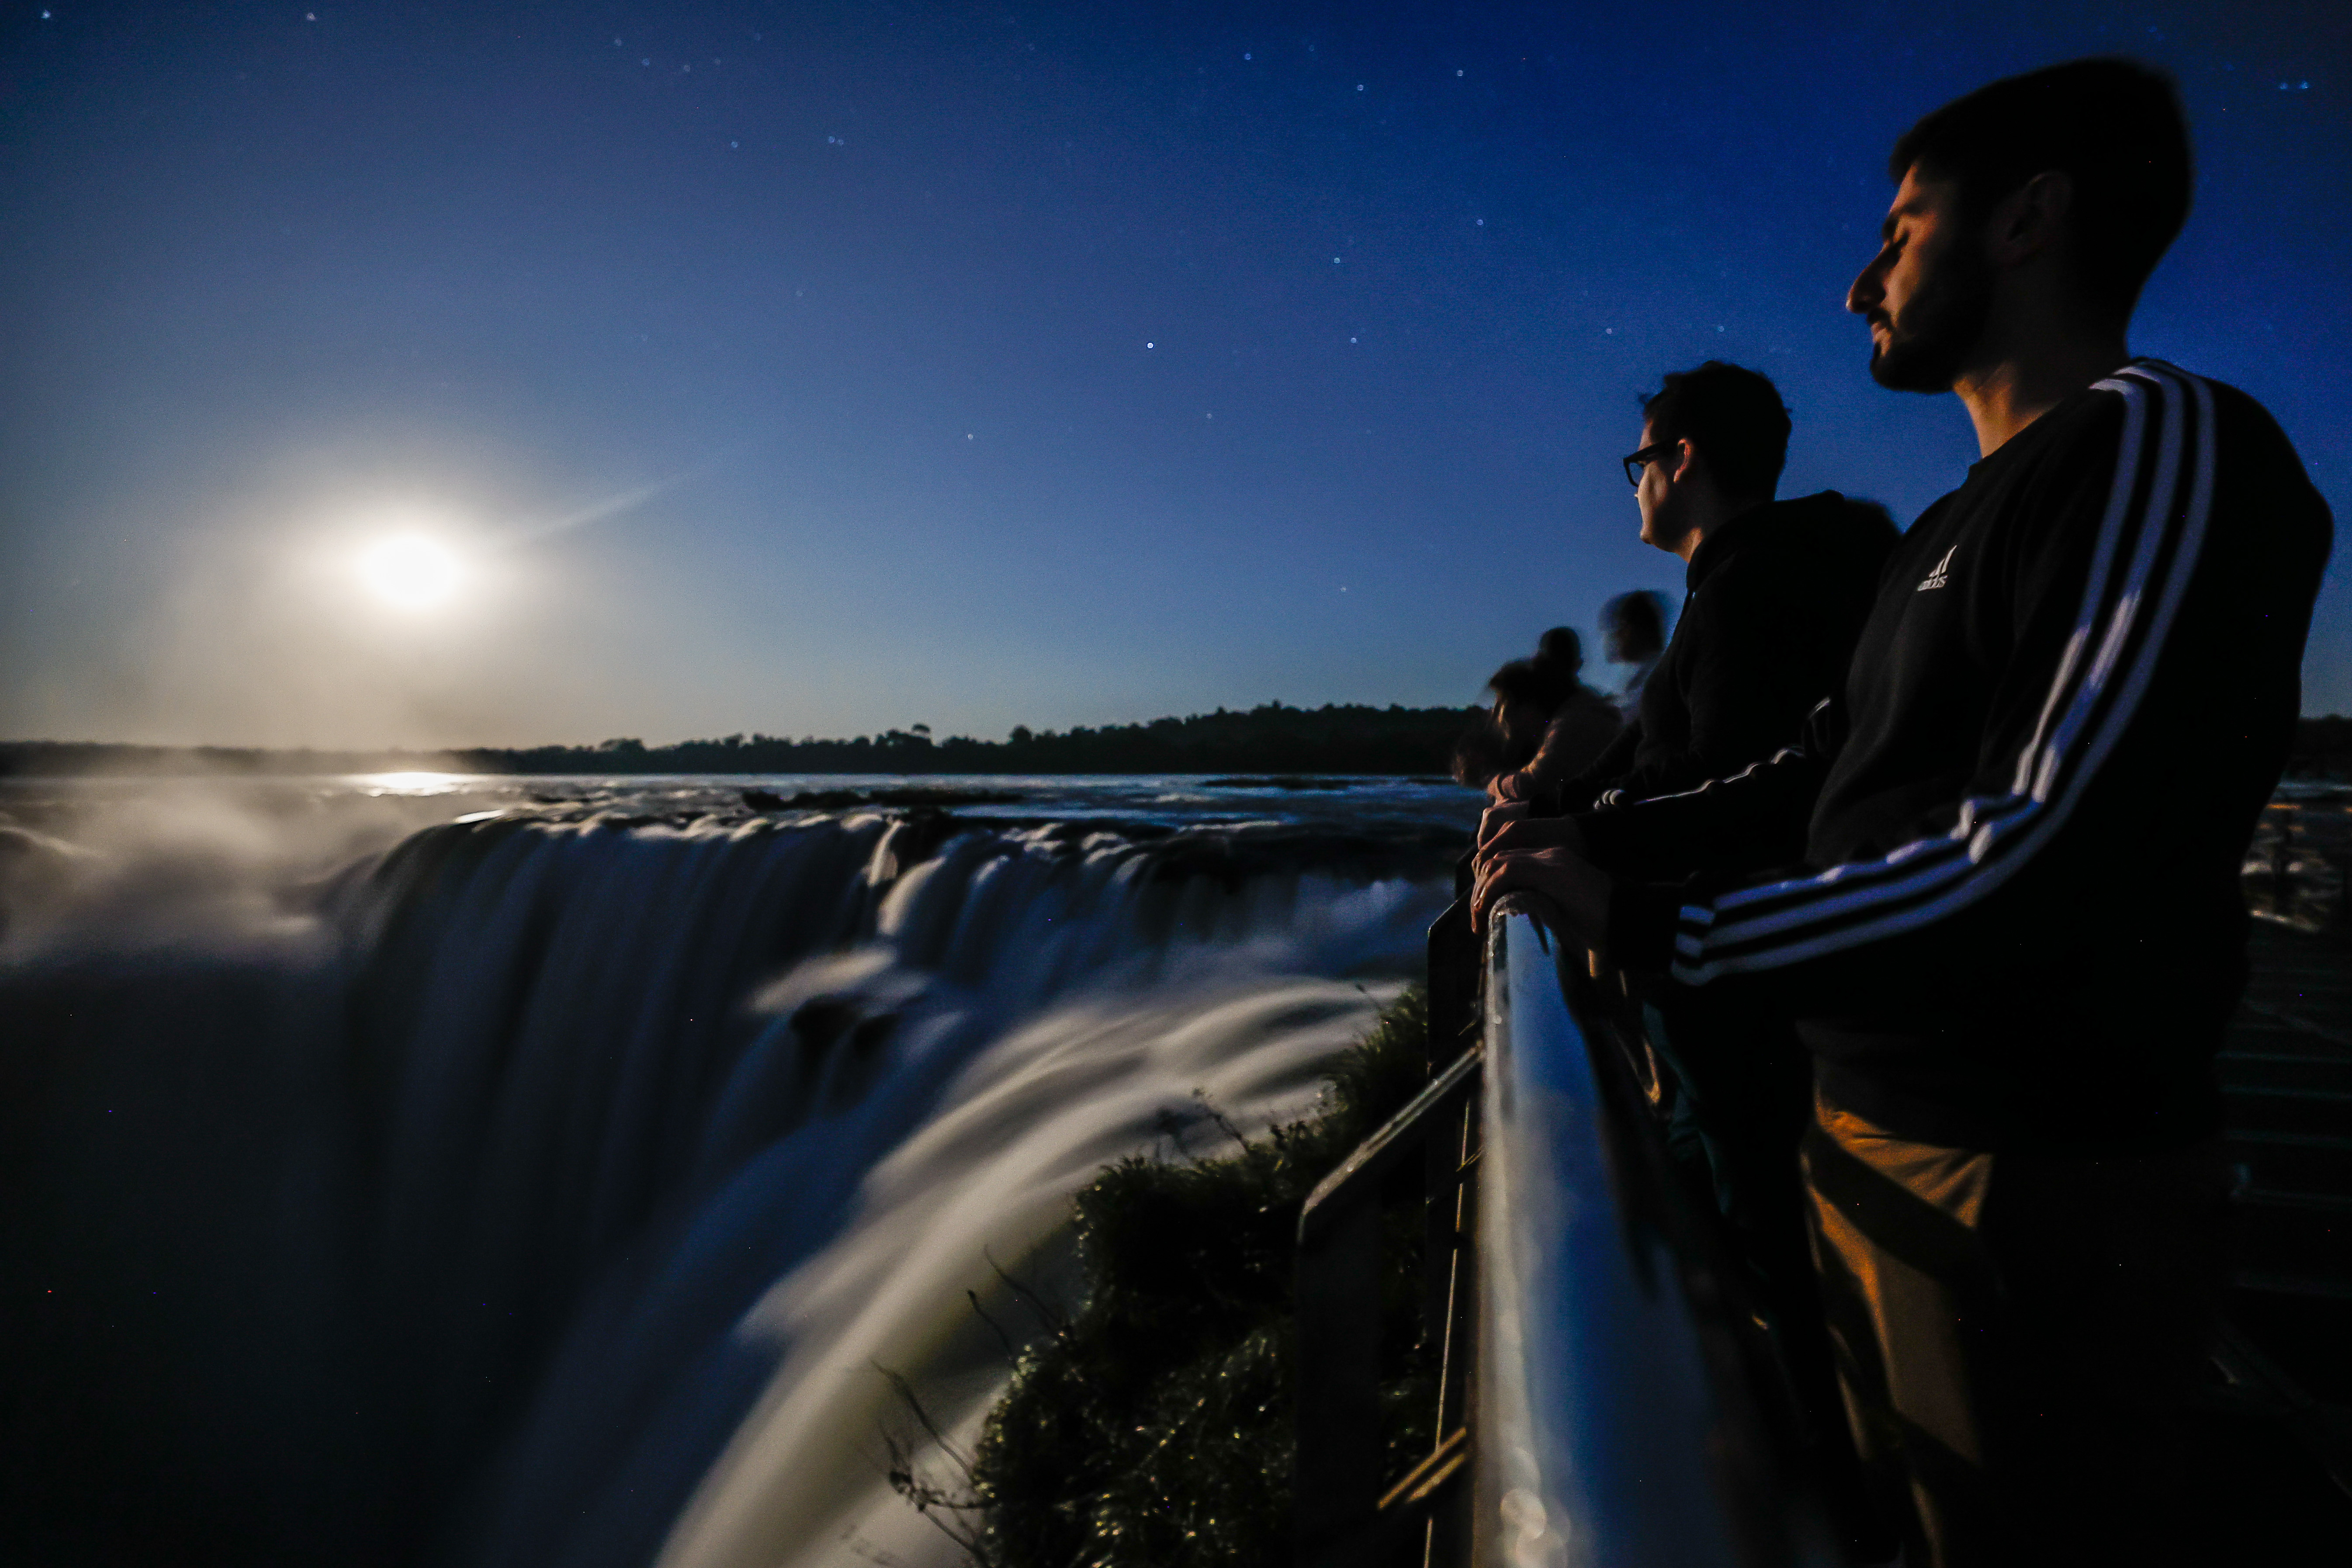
<point x="2102" y="675"/>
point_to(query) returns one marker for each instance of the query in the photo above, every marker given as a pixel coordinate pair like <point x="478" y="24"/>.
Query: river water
<point x="417" y="1169"/>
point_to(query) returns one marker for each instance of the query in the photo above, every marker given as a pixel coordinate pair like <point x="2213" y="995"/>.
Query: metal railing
<point x="1597" y="1416"/>
<point x="1624" y="1407"/>
<point x="1613" y="1416"/>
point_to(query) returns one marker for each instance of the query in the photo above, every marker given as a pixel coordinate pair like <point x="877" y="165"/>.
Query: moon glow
<point x="410" y="571"/>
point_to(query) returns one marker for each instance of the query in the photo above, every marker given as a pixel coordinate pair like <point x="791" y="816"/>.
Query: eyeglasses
<point x="1641" y="460"/>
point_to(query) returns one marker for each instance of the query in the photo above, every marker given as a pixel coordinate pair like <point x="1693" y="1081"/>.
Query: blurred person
<point x="1774" y="591"/>
<point x="1509" y="733"/>
<point x="1546" y="722"/>
<point x="2016" y="931"/>
<point x="1634" y="632"/>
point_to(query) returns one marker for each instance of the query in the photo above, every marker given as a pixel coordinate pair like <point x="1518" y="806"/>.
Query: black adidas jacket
<point x="2017" y="921"/>
<point x="1774" y="600"/>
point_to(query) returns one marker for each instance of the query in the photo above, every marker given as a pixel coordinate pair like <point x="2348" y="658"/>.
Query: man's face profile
<point x="1659" y="526"/>
<point x="1927" y="291"/>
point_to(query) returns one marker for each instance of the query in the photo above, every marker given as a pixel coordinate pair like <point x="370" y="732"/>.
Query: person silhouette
<point x="1545" y="723"/>
<point x="1634" y="632"/>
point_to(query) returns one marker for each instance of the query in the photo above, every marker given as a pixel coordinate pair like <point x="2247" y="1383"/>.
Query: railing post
<point x="1450" y="1214"/>
<point x="1337" y="1510"/>
<point x="1453" y="972"/>
<point x="1453" y="980"/>
<point x="2282" y="865"/>
<point x="1450" y="1318"/>
<point x="1338" y="1474"/>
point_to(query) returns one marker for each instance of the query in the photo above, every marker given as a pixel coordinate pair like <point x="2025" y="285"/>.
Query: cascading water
<point x="555" y="1191"/>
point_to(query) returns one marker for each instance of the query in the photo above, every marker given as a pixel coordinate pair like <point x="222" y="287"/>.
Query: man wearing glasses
<point x="2015" y="934"/>
<point x="1775" y="594"/>
<point x="1776" y="591"/>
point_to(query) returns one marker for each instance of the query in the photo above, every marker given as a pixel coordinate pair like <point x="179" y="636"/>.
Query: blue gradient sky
<point x="1044" y="364"/>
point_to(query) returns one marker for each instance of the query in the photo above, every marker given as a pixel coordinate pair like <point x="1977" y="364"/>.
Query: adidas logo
<point x="1938" y="577"/>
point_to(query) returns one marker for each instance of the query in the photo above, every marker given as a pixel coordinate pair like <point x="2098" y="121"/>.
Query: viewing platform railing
<point x="1589" y="1339"/>
<point x="1606" y="1438"/>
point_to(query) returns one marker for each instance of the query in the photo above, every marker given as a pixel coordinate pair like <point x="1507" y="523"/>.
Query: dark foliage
<point x="1153" y="1426"/>
<point x="2323" y="748"/>
<point x="1272" y="739"/>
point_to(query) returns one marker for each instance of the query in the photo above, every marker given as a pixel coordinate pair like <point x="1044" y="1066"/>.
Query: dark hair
<point x="1536" y="682"/>
<point x="1478" y="754"/>
<point x="2114" y="127"/>
<point x="1561" y="649"/>
<point x="1638" y="617"/>
<point x="1491" y="746"/>
<point x="1735" y="419"/>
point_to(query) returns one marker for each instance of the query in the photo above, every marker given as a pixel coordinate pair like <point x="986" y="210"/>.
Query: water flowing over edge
<point x="606" y="1165"/>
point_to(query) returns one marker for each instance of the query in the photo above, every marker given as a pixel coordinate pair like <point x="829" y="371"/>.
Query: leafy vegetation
<point x="1153" y="1426"/>
<point x="2323" y="748"/>
<point x="1271" y="739"/>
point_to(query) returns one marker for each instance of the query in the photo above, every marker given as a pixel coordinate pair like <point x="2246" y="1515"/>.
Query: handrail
<point x="1597" y="1417"/>
<point x="1376" y="1157"/>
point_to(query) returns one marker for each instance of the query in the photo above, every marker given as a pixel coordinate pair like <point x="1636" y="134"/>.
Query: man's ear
<point x="2031" y="219"/>
<point x="1686" y="461"/>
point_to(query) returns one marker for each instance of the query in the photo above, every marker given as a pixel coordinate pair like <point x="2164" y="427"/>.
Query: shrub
<point x="1153" y="1426"/>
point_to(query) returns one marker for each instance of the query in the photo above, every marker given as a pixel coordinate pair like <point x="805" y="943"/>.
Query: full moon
<point x="410" y="571"/>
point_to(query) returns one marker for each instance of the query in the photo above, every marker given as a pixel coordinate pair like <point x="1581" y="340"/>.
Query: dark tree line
<point x="1272" y="739"/>
<point x="2323" y="748"/>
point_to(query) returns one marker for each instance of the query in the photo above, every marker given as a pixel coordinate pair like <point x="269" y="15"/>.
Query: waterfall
<point x="555" y="1194"/>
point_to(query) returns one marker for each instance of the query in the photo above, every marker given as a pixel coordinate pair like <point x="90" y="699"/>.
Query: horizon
<point x="1017" y="734"/>
<point x="384" y="379"/>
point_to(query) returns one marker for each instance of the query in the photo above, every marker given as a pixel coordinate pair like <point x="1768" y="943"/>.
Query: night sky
<point x="809" y="369"/>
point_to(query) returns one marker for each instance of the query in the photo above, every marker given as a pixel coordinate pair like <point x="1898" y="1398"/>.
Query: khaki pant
<point x="2018" y="1336"/>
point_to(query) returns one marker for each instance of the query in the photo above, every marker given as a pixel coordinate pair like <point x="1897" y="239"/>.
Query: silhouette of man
<point x="1776" y="591"/>
<point x="2016" y="933"/>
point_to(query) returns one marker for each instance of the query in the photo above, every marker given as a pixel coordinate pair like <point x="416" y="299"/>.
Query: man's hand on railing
<point x="1577" y="890"/>
<point x="1508" y="835"/>
<point x="1499" y="816"/>
<point x="1507" y="788"/>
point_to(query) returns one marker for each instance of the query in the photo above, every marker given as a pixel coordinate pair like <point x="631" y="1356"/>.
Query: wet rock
<point x="915" y="838"/>
<point x="824" y="799"/>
